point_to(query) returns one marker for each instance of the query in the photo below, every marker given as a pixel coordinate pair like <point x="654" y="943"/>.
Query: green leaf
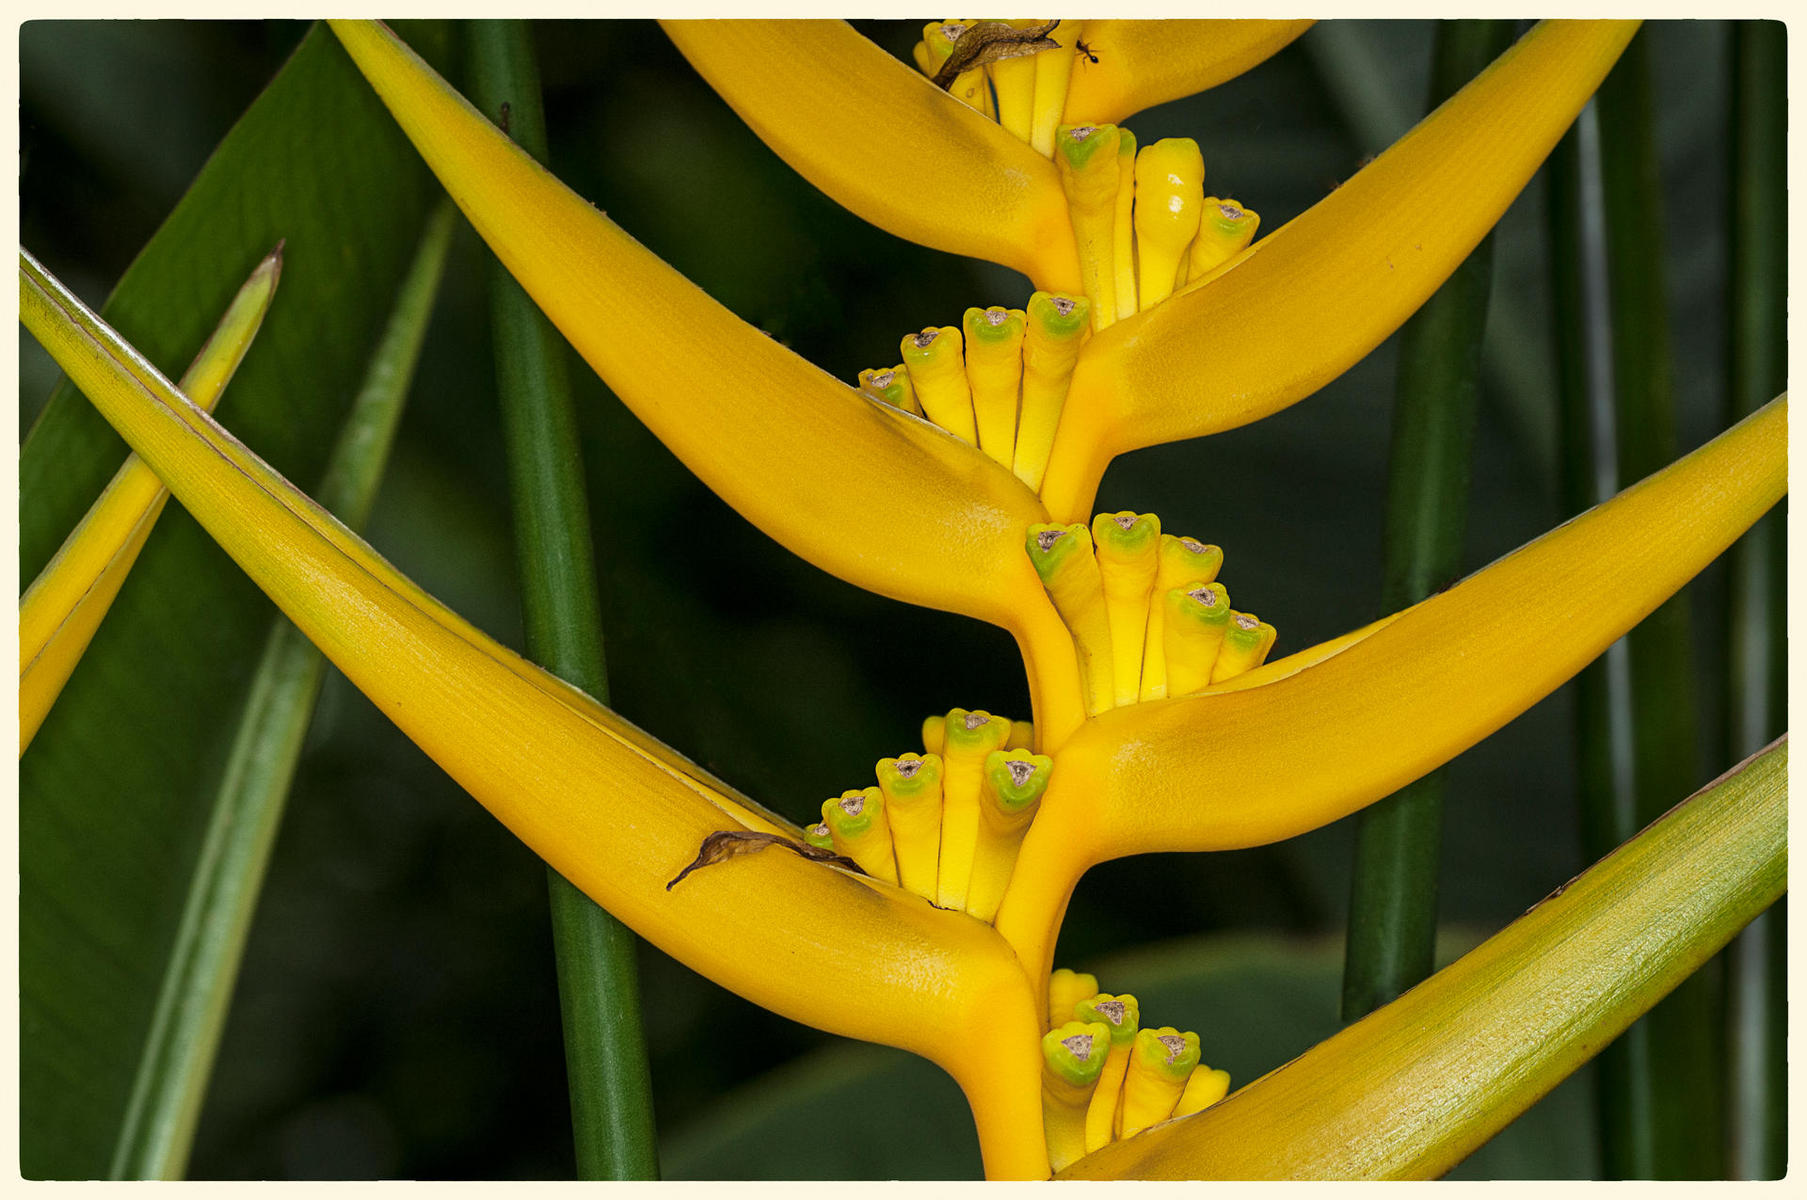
<point x="198" y="984"/>
<point x="1256" y="1001"/>
<point x="115" y="790"/>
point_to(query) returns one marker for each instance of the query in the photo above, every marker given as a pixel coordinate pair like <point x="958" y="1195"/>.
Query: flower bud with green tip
<point x="1073" y="1056"/>
<point x="1010" y="791"/>
<point x="1159" y="1065"/>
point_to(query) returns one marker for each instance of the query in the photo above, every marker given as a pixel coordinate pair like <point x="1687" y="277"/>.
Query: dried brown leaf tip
<point x="724" y="844"/>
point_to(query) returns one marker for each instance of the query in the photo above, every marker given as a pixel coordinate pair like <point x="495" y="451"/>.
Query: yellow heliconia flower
<point x="1282" y="748"/>
<point x="926" y="517"/>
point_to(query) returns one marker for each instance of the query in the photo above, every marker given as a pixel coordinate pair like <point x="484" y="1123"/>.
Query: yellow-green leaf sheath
<point x="1009" y="791"/>
<point x="1160" y="1062"/>
<point x="1412" y="1089"/>
<point x="533" y="750"/>
<point x="1144" y="63"/>
<point x="1185" y="563"/>
<point x="1123" y="1017"/>
<point x="970" y="739"/>
<point x="1073" y="1056"/>
<point x="830" y="103"/>
<point x="1057" y="326"/>
<point x="1064" y="560"/>
<point x="1308" y="739"/>
<point x="1128" y="549"/>
<point x="994" y="373"/>
<point x="64" y="606"/>
<point x="1306" y="302"/>
<point x="856" y="822"/>
<point x="921" y="517"/>
<point x="911" y="785"/>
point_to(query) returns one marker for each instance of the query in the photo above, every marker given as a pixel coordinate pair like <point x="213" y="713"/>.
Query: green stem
<point x="1756" y="1062"/>
<point x="1393" y="901"/>
<point x="173" y="1073"/>
<point x="1661" y="1101"/>
<point x="598" y="984"/>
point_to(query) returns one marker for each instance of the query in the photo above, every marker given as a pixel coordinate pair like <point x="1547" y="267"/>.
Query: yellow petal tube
<point x="1301" y="742"/>
<point x="1144" y="63"/>
<point x="830" y="102"/>
<point x="1305" y="303"/>
<point x="881" y="965"/>
<point x="1414" y="1088"/>
<point x="923" y="518"/>
<point x="64" y="606"/>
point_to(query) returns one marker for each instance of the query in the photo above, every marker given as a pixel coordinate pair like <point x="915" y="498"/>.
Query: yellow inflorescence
<point x="1141" y="220"/>
<point x="998" y="380"/>
<point x="1128" y="1077"/>
<point x="1147" y="616"/>
<point x="947" y="823"/>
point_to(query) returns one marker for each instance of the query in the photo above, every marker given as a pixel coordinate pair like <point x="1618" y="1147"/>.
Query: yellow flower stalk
<point x="64" y="606"/>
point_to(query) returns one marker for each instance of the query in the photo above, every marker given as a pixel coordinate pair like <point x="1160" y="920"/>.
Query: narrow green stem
<point x="1756" y="659"/>
<point x="1661" y="1085"/>
<point x="598" y="983"/>
<point x="167" y="1092"/>
<point x="1393" y="900"/>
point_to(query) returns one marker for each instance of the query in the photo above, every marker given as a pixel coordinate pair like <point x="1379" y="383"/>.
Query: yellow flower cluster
<point x="945" y="824"/>
<point x="1148" y="618"/>
<point x="1105" y="1077"/>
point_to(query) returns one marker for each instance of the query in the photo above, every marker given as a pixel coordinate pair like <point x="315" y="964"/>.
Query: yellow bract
<point x="64" y="606"/>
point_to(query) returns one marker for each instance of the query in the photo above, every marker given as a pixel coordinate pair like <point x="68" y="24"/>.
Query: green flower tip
<point x="853" y="812"/>
<point x="1167" y="1052"/>
<point x="1080" y="145"/>
<point x="1017" y="778"/>
<point x="1203" y="604"/>
<point x="1058" y="316"/>
<point x="993" y="325"/>
<point x="1126" y="534"/>
<point x="975" y="732"/>
<point x="1050" y="546"/>
<point x="1075" y="1052"/>
<point x="819" y="836"/>
<point x="1121" y="1014"/>
<point x="909" y="774"/>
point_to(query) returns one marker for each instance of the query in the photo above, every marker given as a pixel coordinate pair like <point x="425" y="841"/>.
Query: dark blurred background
<point x="397" y="1014"/>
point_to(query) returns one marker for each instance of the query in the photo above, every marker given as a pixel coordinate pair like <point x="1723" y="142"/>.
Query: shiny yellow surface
<point x="830" y="103"/>
<point x="807" y="940"/>
<point x="925" y="518"/>
<point x="1144" y="63"/>
<point x="1305" y="303"/>
<point x="1299" y="746"/>
<point x="1414" y="1088"/>
<point x="64" y="606"/>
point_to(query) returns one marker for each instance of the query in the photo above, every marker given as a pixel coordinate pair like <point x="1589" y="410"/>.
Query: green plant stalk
<point x="1756" y="659"/>
<point x="1393" y="893"/>
<point x="1382" y="1100"/>
<point x="173" y="1072"/>
<point x="598" y="984"/>
<point x="1667" y="1124"/>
